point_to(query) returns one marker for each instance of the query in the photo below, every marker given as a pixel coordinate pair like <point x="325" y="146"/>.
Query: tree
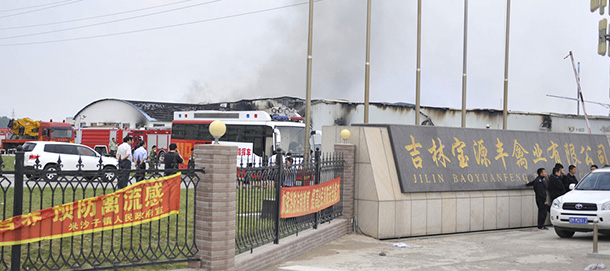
<point x="4" y="121"/>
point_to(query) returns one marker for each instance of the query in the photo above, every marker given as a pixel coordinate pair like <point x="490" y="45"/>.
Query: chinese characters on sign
<point x="447" y="159"/>
<point x="519" y="153"/>
<point x="139" y="203"/>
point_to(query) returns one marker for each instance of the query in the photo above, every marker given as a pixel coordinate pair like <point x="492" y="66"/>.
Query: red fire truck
<point x="4" y="133"/>
<point x="24" y="130"/>
<point x="99" y="138"/>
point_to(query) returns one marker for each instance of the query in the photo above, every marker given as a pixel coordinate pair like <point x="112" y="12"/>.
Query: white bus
<point x="256" y="133"/>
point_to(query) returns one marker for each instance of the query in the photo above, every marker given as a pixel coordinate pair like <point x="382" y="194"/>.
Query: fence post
<point x="216" y="207"/>
<point x="279" y="161"/>
<point x="317" y="155"/>
<point x="17" y="205"/>
<point x="595" y="231"/>
<point x="348" y="180"/>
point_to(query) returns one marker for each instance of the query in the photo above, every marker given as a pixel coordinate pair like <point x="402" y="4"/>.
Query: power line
<point x="93" y="17"/>
<point x="107" y="22"/>
<point x="30" y="11"/>
<point x="157" y="28"/>
<point x="29" y="7"/>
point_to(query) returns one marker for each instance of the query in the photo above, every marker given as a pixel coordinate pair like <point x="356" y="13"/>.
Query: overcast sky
<point x="234" y="49"/>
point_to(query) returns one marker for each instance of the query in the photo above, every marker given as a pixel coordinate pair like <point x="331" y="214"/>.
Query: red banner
<point x="142" y="202"/>
<point x="303" y="200"/>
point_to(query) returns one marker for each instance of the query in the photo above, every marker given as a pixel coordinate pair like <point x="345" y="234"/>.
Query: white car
<point x="48" y="153"/>
<point x="586" y="202"/>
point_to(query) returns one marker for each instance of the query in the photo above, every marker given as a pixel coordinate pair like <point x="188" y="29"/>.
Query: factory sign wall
<point x="433" y="159"/>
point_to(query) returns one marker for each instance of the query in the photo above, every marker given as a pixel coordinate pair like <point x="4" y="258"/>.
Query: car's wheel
<point x="50" y="172"/>
<point x="109" y="173"/>
<point x="563" y="233"/>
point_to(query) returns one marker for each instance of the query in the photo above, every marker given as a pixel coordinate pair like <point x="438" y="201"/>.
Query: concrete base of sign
<point x="383" y="211"/>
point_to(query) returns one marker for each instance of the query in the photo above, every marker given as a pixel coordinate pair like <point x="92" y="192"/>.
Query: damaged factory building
<point x="339" y="112"/>
<point x="145" y="114"/>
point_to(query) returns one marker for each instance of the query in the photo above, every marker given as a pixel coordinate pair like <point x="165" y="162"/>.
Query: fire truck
<point x="256" y="133"/>
<point x="99" y="138"/>
<point x="4" y="133"/>
<point x="24" y="130"/>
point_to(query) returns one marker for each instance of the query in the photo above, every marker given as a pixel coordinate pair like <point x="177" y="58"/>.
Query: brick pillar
<point x="349" y="173"/>
<point x="215" y="224"/>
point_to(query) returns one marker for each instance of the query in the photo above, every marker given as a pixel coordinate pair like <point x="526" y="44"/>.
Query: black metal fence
<point x="165" y="241"/>
<point x="258" y="191"/>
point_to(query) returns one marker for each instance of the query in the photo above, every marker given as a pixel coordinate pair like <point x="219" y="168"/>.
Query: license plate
<point x="579" y="220"/>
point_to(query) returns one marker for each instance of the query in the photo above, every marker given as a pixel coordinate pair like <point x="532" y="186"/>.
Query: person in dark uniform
<point x="570" y="178"/>
<point x="555" y="185"/>
<point x="172" y="160"/>
<point x="560" y="166"/>
<point x="562" y="174"/>
<point x="540" y="190"/>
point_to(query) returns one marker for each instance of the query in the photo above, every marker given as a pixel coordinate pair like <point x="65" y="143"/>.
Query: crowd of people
<point x="558" y="184"/>
<point x="128" y="154"/>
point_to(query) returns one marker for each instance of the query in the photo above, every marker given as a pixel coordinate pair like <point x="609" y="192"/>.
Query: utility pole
<point x="308" y="94"/>
<point x="505" y="106"/>
<point x="465" y="54"/>
<point x="418" y="70"/>
<point x="367" y="65"/>
<point x="582" y="99"/>
<point x="577" y="92"/>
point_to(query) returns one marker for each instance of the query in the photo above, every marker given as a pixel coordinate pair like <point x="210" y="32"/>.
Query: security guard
<point x="540" y="190"/>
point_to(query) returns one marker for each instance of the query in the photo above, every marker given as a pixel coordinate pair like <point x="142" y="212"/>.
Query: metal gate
<point x="259" y="184"/>
<point x="25" y="190"/>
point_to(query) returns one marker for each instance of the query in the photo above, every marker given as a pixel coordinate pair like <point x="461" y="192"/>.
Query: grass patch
<point x="250" y="200"/>
<point x="254" y="221"/>
<point x="160" y="240"/>
<point x="9" y="162"/>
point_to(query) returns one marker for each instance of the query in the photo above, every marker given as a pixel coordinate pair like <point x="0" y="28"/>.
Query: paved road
<point x="517" y="249"/>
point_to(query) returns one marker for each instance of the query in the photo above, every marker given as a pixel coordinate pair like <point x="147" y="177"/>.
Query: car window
<point x="61" y="132"/>
<point x="595" y="181"/>
<point x="29" y="146"/>
<point x="61" y="149"/>
<point x="86" y="151"/>
<point x="52" y="148"/>
<point x="70" y="149"/>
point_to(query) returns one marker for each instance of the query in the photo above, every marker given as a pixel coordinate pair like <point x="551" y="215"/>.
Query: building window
<point x="115" y="124"/>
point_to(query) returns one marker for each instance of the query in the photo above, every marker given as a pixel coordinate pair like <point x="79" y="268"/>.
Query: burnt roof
<point x="164" y="111"/>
